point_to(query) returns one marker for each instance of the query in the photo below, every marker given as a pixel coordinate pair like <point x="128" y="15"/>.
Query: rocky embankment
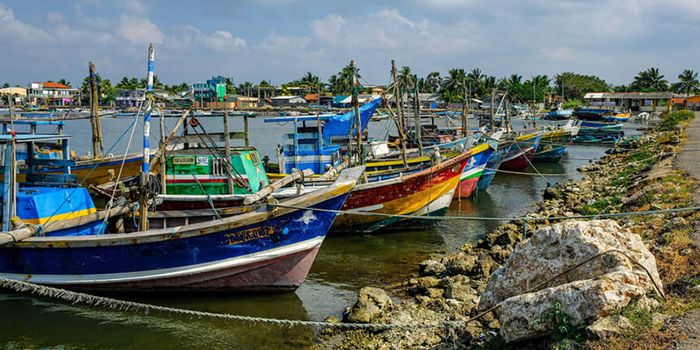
<point x="450" y="287"/>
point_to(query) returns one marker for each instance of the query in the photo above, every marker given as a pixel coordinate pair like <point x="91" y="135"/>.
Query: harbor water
<point x="344" y="264"/>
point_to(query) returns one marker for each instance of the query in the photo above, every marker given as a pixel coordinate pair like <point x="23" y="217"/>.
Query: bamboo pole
<point x="161" y="149"/>
<point x="417" y="121"/>
<point x="401" y="126"/>
<point x="269" y="189"/>
<point x="29" y="231"/>
<point x="227" y="146"/>
<point x="356" y="107"/>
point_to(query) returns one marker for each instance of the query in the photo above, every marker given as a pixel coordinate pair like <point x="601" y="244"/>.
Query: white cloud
<point x="135" y="6"/>
<point x="276" y="42"/>
<point x="139" y="30"/>
<point x="222" y="40"/>
<point x="17" y="30"/>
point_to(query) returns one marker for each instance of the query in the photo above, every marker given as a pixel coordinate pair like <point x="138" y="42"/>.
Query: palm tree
<point x="688" y="81"/>
<point x="406" y="79"/>
<point x="432" y="82"/>
<point x="454" y="85"/>
<point x="245" y="87"/>
<point x="650" y="80"/>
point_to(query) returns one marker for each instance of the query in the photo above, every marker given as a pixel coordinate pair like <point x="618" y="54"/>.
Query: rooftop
<point x="629" y="95"/>
<point x="54" y="85"/>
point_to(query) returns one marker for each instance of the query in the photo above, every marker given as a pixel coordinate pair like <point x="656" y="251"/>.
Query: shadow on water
<point x="39" y="323"/>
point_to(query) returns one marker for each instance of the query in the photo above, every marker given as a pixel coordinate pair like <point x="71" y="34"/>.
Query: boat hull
<point x="520" y="154"/>
<point x="549" y="153"/>
<point x="263" y="250"/>
<point x="472" y="172"/>
<point x="428" y="192"/>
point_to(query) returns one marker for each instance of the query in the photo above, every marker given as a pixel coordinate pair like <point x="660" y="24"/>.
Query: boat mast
<point x="465" y="111"/>
<point x="400" y="124"/>
<point x="356" y="107"/>
<point x="9" y="190"/>
<point x="419" y="137"/>
<point x="95" y="114"/>
<point x="146" y="168"/>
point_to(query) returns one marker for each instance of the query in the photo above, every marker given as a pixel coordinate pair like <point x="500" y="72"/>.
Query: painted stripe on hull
<point x="156" y="277"/>
<point x="466" y="188"/>
<point x="400" y="196"/>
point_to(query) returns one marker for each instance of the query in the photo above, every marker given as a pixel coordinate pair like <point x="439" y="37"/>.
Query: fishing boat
<point x="481" y="154"/>
<point x="489" y="172"/>
<point x="559" y="114"/>
<point x="521" y="152"/>
<point x="89" y="170"/>
<point x="428" y="191"/>
<point x="553" y="143"/>
<point x="317" y="141"/>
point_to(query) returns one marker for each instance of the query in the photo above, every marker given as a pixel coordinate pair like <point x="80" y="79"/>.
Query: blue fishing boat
<point x="317" y="141"/>
<point x="493" y="163"/>
<point x="559" y="114"/>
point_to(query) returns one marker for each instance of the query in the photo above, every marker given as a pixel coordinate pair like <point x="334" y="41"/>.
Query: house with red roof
<point x="52" y="94"/>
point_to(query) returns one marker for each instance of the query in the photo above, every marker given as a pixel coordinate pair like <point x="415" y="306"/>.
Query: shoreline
<point x="447" y="287"/>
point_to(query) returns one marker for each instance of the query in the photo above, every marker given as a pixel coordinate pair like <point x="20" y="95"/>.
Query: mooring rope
<point x="136" y="307"/>
<point x="495" y="218"/>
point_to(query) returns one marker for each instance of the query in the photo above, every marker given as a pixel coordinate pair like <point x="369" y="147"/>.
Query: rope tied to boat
<point x="138" y="307"/>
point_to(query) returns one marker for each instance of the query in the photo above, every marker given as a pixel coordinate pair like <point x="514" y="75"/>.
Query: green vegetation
<point x="572" y="104"/>
<point x="649" y="80"/>
<point x="673" y="119"/>
<point x="575" y="86"/>
<point x="564" y="334"/>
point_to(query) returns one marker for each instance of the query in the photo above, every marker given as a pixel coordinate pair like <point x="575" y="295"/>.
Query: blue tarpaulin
<point x="339" y="125"/>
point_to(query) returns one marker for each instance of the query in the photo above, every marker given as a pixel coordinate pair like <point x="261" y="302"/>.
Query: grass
<point x="674" y="119"/>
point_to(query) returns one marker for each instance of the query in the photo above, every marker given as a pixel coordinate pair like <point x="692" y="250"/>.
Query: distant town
<point x="648" y="91"/>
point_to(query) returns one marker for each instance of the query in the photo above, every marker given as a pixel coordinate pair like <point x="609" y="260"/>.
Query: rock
<point x="432" y="268"/>
<point x="608" y="327"/>
<point x="458" y="288"/>
<point x="370" y="303"/>
<point x="460" y="264"/>
<point x="658" y="319"/>
<point x="648" y="304"/>
<point x="586" y="293"/>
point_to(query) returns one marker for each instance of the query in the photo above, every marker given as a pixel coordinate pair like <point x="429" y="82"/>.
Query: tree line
<point x="453" y="87"/>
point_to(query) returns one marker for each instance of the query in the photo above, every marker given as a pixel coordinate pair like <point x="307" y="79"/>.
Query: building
<point x="287" y="101"/>
<point x="52" y="94"/>
<point x="214" y="90"/>
<point x="633" y="101"/>
<point x="130" y="98"/>
<point x="19" y="95"/>
<point x="691" y="102"/>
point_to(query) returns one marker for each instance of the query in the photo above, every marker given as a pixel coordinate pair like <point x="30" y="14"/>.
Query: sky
<point x="280" y="40"/>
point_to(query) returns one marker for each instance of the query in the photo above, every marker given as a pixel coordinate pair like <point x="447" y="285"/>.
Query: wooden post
<point x="245" y="129"/>
<point x="227" y="146"/>
<point x="358" y="117"/>
<point x="493" y="114"/>
<point x="319" y="138"/>
<point x="401" y="126"/>
<point x="465" y="113"/>
<point x="8" y="190"/>
<point x="95" y="114"/>
<point x="417" y="121"/>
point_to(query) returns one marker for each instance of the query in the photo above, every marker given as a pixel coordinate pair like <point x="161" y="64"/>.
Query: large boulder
<point x="371" y="303"/>
<point x="587" y="292"/>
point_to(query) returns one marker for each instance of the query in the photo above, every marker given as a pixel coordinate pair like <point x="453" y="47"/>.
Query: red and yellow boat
<point x="426" y="191"/>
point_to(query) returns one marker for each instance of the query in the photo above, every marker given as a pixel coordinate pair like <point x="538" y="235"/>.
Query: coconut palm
<point x="406" y="79"/>
<point x="687" y="81"/>
<point x="432" y="82"/>
<point x="454" y="85"/>
<point x="650" y="80"/>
